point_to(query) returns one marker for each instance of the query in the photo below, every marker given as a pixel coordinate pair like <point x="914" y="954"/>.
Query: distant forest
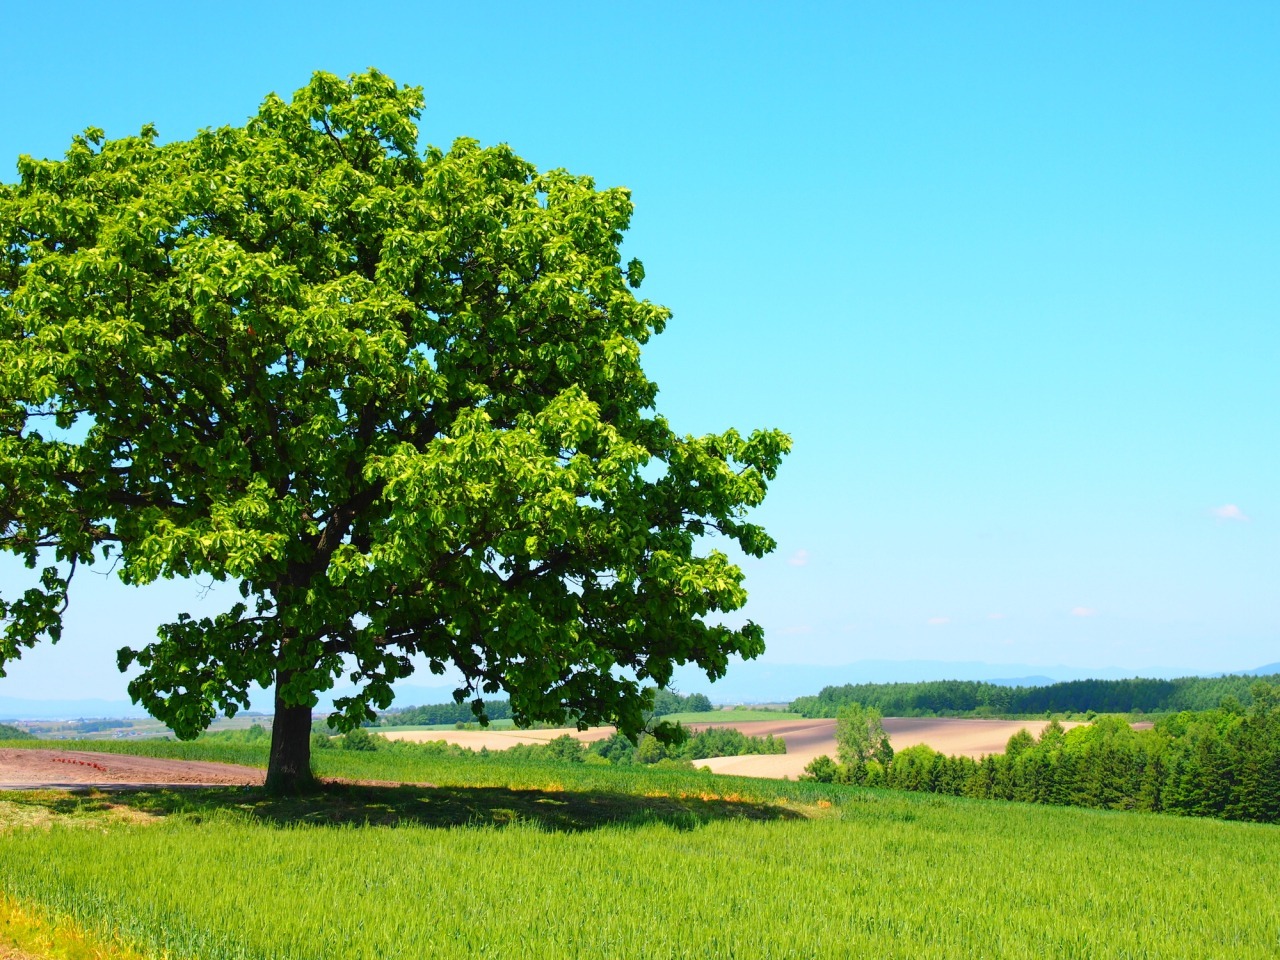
<point x="432" y="714"/>
<point x="974" y="698"/>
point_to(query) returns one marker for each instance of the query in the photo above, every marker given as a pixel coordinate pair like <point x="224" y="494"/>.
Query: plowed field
<point x="493" y="739"/>
<point x="806" y="739"/>
<point x="38" y="769"/>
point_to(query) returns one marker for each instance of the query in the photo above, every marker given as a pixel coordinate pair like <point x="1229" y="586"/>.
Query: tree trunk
<point x="289" y="768"/>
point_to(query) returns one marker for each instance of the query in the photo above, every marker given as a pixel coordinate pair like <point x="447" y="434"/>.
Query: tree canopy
<point x="394" y="395"/>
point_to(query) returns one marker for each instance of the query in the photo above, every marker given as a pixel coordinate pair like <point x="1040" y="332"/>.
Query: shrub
<point x="566" y="747"/>
<point x="821" y="770"/>
<point x="360" y="739"/>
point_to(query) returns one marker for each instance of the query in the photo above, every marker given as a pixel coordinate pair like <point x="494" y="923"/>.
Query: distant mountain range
<point x="747" y="682"/>
<point x="1265" y="671"/>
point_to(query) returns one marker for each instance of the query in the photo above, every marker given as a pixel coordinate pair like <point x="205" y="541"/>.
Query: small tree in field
<point x="860" y="738"/>
<point x="395" y="397"/>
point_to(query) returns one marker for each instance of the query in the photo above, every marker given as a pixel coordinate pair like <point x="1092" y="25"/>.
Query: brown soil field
<point x="493" y="739"/>
<point x="806" y="739"/>
<point x="39" y="769"/>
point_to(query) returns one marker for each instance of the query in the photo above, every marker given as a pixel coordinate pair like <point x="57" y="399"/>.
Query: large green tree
<point x="395" y="396"/>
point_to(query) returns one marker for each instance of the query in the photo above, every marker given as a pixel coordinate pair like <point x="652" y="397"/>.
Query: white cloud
<point x="1083" y="612"/>
<point x="1228" y="511"/>
<point x="938" y="621"/>
<point x="799" y="559"/>
<point x="995" y="616"/>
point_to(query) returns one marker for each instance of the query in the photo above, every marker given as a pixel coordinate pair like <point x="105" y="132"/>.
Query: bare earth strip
<point x="806" y="739"/>
<point x="46" y="769"/>
<point x="494" y="739"/>
<point x="812" y="738"/>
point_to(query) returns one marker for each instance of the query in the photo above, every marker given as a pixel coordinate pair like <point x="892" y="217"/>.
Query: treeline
<point x="9" y="732"/>
<point x="617" y="750"/>
<point x="1216" y="763"/>
<point x="434" y="714"/>
<point x="648" y="750"/>
<point x="665" y="702"/>
<point x="973" y="698"/>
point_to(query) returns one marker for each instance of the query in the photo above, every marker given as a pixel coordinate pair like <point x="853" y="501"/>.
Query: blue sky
<point x="1008" y="273"/>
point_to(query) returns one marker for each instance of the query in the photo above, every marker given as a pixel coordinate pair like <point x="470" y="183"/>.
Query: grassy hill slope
<point x="539" y="860"/>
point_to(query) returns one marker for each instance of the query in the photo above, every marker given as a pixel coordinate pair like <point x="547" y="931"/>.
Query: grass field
<point x="534" y="860"/>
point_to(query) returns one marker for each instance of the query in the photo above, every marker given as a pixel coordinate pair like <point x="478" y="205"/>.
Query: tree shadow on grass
<point x="405" y="805"/>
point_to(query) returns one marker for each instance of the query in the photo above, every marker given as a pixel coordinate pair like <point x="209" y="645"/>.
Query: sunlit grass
<point x="539" y="860"/>
<point x="888" y="875"/>
<point x="27" y="934"/>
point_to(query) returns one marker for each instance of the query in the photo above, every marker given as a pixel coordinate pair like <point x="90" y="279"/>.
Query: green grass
<point x="421" y="763"/>
<point x="538" y="860"/>
<point x="367" y="805"/>
<point x="28" y="936"/>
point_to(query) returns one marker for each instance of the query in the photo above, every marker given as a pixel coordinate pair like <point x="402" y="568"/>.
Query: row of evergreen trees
<point x="960" y="698"/>
<point x="1217" y="763"/>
